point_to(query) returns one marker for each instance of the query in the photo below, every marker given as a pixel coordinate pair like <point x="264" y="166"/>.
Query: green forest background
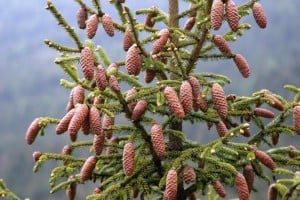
<point x="29" y="79"/>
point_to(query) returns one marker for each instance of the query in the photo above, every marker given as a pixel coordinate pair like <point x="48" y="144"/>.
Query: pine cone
<point x="195" y="91"/>
<point x="69" y="106"/>
<point x="114" y="84"/>
<point x="259" y="15"/>
<point x="77" y="95"/>
<point x="248" y="173"/>
<point x="63" y="124"/>
<point x="87" y="63"/>
<point x="139" y="110"/>
<point x="92" y="26"/>
<point x="232" y="15"/>
<point x="272" y="192"/>
<point x="157" y="139"/>
<point x="87" y="168"/>
<point x="189" y="24"/>
<point x="100" y="77"/>
<point x="149" y="75"/>
<point x="189" y="174"/>
<point x="216" y="14"/>
<point x="106" y="123"/>
<point x="98" y="143"/>
<point x="133" y="62"/>
<point x="221" y="43"/>
<point x="242" y="65"/>
<point x="173" y="102"/>
<point x="81" y="112"/>
<point x="127" y="40"/>
<point x="108" y="25"/>
<point x="219" y="100"/>
<point x="275" y="102"/>
<point x="161" y="42"/>
<point x="110" y="149"/>
<point x="33" y="130"/>
<point x="221" y="128"/>
<point x="171" y="185"/>
<point x="85" y="127"/>
<point x="36" y="155"/>
<point x="128" y="159"/>
<point x="262" y="112"/>
<point x="265" y="159"/>
<point x="296" y="118"/>
<point x="129" y="94"/>
<point x="82" y="16"/>
<point x="67" y="150"/>
<point x="150" y="16"/>
<point x="71" y="189"/>
<point x="241" y="186"/>
<point x="95" y="120"/>
<point x="219" y="188"/>
<point x="186" y="96"/>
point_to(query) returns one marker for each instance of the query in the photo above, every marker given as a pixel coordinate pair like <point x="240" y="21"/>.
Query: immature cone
<point x="216" y="14"/>
<point x="80" y="114"/>
<point x="189" y="23"/>
<point x="241" y="186"/>
<point x="98" y="143"/>
<point x="149" y="75"/>
<point x="63" y="124"/>
<point x="133" y="62"/>
<point x="242" y="65"/>
<point x="219" y="188"/>
<point x="249" y="174"/>
<point x="157" y="139"/>
<point x="67" y="150"/>
<point x="265" y="159"/>
<point x="186" y="96"/>
<point x="110" y="149"/>
<point x="275" y="102"/>
<point x="92" y="26"/>
<point x="262" y="112"/>
<point x="259" y="15"/>
<point x="221" y="43"/>
<point x="128" y="159"/>
<point x="36" y="155"/>
<point x="221" y="128"/>
<point x="219" y="100"/>
<point x="77" y="94"/>
<point x="106" y="123"/>
<point x="195" y="91"/>
<point x="71" y="190"/>
<point x="189" y="174"/>
<point x="127" y="40"/>
<point x="272" y="192"/>
<point x="129" y="94"/>
<point x="173" y="102"/>
<point x="232" y="15"/>
<point x="85" y="127"/>
<point x="150" y="16"/>
<point x="139" y="109"/>
<point x="108" y="25"/>
<point x="95" y="120"/>
<point x="161" y="42"/>
<point x="87" y="168"/>
<point x="296" y="119"/>
<point x="114" y="84"/>
<point x="82" y="16"/>
<point x="33" y="130"/>
<point x="171" y="185"/>
<point x="100" y="77"/>
<point x="87" y="63"/>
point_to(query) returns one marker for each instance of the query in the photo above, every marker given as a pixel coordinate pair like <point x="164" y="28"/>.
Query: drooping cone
<point x="157" y="139"/>
<point x="77" y="94"/>
<point x="63" y="124"/>
<point x="139" y="109"/>
<point x="133" y="62"/>
<point x="127" y="39"/>
<point x="80" y="114"/>
<point x="128" y="158"/>
<point x="111" y="149"/>
<point x="262" y="112"/>
<point x="232" y="15"/>
<point x="106" y="123"/>
<point x="216" y="14"/>
<point x="98" y="143"/>
<point x="189" y="174"/>
<point x="87" y="168"/>
<point x="87" y="63"/>
<point x="161" y="42"/>
<point x="173" y="102"/>
<point x="219" y="188"/>
<point x="67" y="150"/>
<point x="82" y="16"/>
<point x="92" y="26"/>
<point x="129" y="94"/>
<point x="265" y="159"/>
<point x="114" y="84"/>
<point x="196" y="92"/>
<point x="259" y="15"/>
<point x="189" y="23"/>
<point x="275" y="102"/>
<point x="150" y="16"/>
<point x="272" y="192"/>
<point x="149" y="75"/>
<point x="222" y="44"/>
<point x="71" y="189"/>
<point x="219" y="100"/>
<point x="100" y="77"/>
<point x="85" y="127"/>
<point x="296" y="119"/>
<point x="171" y="185"/>
<point x="33" y="130"/>
<point x="242" y="65"/>
<point x="108" y="25"/>
<point x="36" y="155"/>
<point x="249" y="174"/>
<point x="241" y="186"/>
<point x="95" y="120"/>
<point x="186" y="96"/>
<point x="221" y="128"/>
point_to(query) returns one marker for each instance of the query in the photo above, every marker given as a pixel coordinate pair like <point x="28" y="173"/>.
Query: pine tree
<point x="147" y="157"/>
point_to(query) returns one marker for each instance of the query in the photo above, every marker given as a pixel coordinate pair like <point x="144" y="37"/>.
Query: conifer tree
<point x="150" y="156"/>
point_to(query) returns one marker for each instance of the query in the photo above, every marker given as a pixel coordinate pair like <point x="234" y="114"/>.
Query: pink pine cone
<point x="216" y="14"/>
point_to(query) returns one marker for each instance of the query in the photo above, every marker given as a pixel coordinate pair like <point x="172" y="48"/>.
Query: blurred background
<point x="29" y="79"/>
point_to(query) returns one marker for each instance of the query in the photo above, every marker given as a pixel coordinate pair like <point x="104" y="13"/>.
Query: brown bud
<point x="127" y="40"/>
<point x="242" y="65"/>
<point x="87" y="168"/>
<point x="71" y="189"/>
<point x="275" y="102"/>
<point x="133" y="62"/>
<point x="189" y="174"/>
<point x="77" y="94"/>
<point x="232" y="15"/>
<point x="189" y="23"/>
<point x="296" y="118"/>
<point x="63" y="124"/>
<point x="149" y="75"/>
<point x="219" y="100"/>
<point x="114" y="84"/>
<point x="128" y="159"/>
<point x="33" y="130"/>
<point x="171" y="185"/>
<point x="157" y="139"/>
<point x="92" y="26"/>
<point x="219" y="188"/>
<point x="80" y="114"/>
<point x="249" y="174"/>
<point x="87" y="63"/>
<point x="139" y="109"/>
<point x="265" y="159"/>
<point x="106" y="123"/>
<point x="173" y="102"/>
<point x="130" y="94"/>
<point x="67" y="150"/>
<point x="221" y="128"/>
<point x="108" y="25"/>
<point x="186" y="96"/>
<point x="262" y="112"/>
<point x="95" y="120"/>
<point x="259" y="15"/>
<point x="272" y="192"/>
<point x="82" y="16"/>
<point x="36" y="155"/>
<point x="160" y="43"/>
<point x="275" y="138"/>
<point x="221" y="43"/>
<point x="241" y="186"/>
<point x="149" y="17"/>
<point x="98" y="143"/>
<point x="216" y="14"/>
